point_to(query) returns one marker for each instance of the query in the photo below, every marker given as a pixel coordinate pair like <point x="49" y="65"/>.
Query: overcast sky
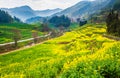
<point x="38" y="4"/>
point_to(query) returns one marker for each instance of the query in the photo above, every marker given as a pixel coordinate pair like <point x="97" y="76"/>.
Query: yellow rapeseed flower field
<point x="81" y="53"/>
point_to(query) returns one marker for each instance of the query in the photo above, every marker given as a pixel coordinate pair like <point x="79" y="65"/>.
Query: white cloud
<point x="38" y="4"/>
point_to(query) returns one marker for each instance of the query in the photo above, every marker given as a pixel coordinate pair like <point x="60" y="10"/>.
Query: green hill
<point x="6" y="31"/>
<point x="81" y="53"/>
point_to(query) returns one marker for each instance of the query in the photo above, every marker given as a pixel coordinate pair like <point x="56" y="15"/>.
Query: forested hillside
<point x="5" y="17"/>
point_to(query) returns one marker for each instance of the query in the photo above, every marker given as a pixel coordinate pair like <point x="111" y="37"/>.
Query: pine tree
<point x="5" y="17"/>
<point x="113" y="23"/>
<point x="117" y="5"/>
<point x="16" y="36"/>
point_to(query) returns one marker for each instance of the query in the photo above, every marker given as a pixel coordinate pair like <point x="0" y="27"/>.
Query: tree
<point x="117" y="5"/>
<point x="58" y="21"/>
<point x="45" y="27"/>
<point x="5" y="17"/>
<point x="82" y="22"/>
<point x="61" y="30"/>
<point x="16" y="19"/>
<point x="113" y="23"/>
<point x="54" y="33"/>
<point x="16" y="36"/>
<point x="35" y="36"/>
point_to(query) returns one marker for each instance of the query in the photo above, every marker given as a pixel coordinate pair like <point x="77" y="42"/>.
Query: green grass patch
<point x="25" y="29"/>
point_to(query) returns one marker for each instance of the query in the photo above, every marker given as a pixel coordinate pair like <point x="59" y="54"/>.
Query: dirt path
<point x="112" y="37"/>
<point x="25" y="47"/>
<point x="26" y="39"/>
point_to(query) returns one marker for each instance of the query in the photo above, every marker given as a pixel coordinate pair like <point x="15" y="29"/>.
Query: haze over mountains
<point x="81" y="9"/>
<point x="25" y="12"/>
<point x="85" y="8"/>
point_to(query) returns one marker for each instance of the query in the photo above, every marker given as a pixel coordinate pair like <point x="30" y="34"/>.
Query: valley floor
<point x="81" y="53"/>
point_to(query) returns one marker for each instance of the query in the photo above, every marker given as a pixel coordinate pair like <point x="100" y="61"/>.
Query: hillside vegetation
<point x="81" y="53"/>
<point x="6" y="34"/>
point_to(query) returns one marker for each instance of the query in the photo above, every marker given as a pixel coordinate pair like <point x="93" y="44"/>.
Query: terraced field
<point x="81" y="53"/>
<point x="6" y="34"/>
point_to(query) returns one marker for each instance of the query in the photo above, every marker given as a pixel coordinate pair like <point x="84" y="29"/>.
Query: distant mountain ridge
<point x="35" y="20"/>
<point x="81" y="9"/>
<point x="85" y="8"/>
<point x="47" y="12"/>
<point x="26" y="12"/>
